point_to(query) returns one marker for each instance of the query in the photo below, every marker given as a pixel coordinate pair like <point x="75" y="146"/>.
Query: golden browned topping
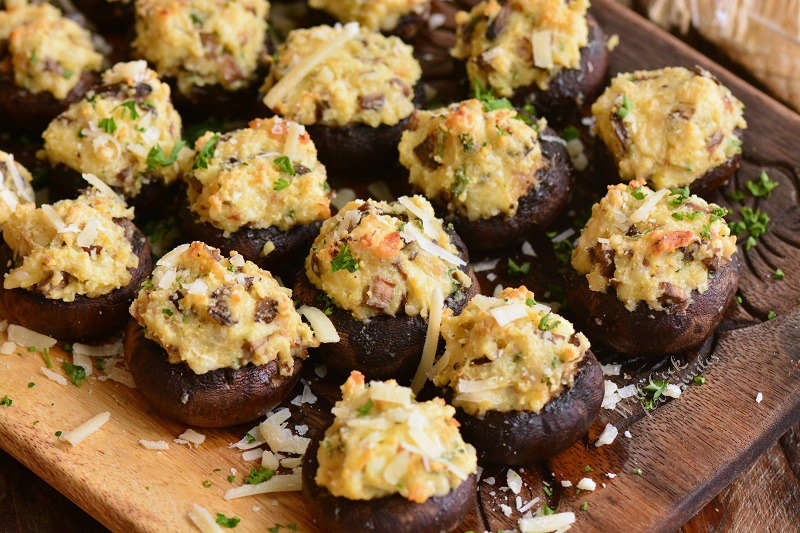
<point x="48" y="52"/>
<point x="669" y="126"/>
<point x="70" y="248"/>
<point x="264" y="175"/>
<point x="479" y="163"/>
<point x="15" y="186"/>
<point x="338" y="75"/>
<point x="383" y="442"/>
<point x="372" y="14"/>
<point x="211" y="312"/>
<point x="521" y="42"/>
<point x="126" y="133"/>
<point x="203" y="42"/>
<point x="653" y="247"/>
<point x="507" y="353"/>
<point x="384" y="258"/>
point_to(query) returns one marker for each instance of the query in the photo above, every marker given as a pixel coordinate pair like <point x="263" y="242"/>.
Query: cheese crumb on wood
<point x="77" y="435"/>
<point x="54" y="376"/>
<point x="586" y="484"/>
<point x="607" y="436"/>
<point x="154" y="444"/>
<point x="203" y="520"/>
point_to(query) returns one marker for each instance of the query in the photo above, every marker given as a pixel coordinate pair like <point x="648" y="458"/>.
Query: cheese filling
<point x="519" y="43"/>
<point x="668" y="126"/>
<point x="478" y="163"/>
<point x="211" y="312"/>
<point x="653" y="247"/>
<point x="385" y="258"/>
<point x="15" y="186"/>
<point x="73" y="247"/>
<point x="340" y="75"/>
<point x="48" y="52"/>
<point x="203" y="42"/>
<point x="264" y="175"/>
<point x="384" y="442"/>
<point x="126" y="132"/>
<point x="371" y="14"/>
<point x="507" y="353"/>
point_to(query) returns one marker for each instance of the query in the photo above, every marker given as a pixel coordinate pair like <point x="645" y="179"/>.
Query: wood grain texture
<point x="688" y="449"/>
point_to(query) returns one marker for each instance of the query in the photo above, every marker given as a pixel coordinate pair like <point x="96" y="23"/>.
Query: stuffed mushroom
<point x="126" y="133"/>
<point x="389" y="463"/>
<point x="215" y="341"/>
<point x="260" y="191"/>
<point x="654" y="271"/>
<point x="375" y="15"/>
<point x="493" y="175"/>
<point x="47" y="62"/>
<point x="523" y="381"/>
<point x="353" y="89"/>
<point x="550" y="53"/>
<point x="673" y="127"/>
<point x="380" y="270"/>
<point x="211" y="51"/>
<point x="72" y="268"/>
<point x="15" y="186"/>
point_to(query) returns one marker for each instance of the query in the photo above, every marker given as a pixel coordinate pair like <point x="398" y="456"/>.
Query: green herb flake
<point x="206" y="483"/>
<point x="130" y="106"/>
<point x="157" y="158"/>
<point x="545" y="323"/>
<point x="625" y="108"/>
<point x="284" y="164"/>
<point x="250" y="438"/>
<point x="678" y="196"/>
<point x="547" y="510"/>
<point x="466" y="142"/>
<point x="528" y="115"/>
<point x="31" y="384"/>
<point x="58" y="433"/>
<point x="167" y="312"/>
<point x="637" y="471"/>
<point x="231" y="478"/>
<point x="699" y="380"/>
<point x="226" y="522"/>
<point x="778" y="274"/>
<point x="637" y="193"/>
<point x="530" y="302"/>
<point x="6" y="401"/>
<point x="584" y="506"/>
<point x="75" y="373"/>
<point x="344" y="260"/>
<point x="67" y="73"/>
<point x="460" y="182"/>
<point x="518" y="270"/>
<point x="771" y="315"/>
<point x="570" y="133"/>
<point x="108" y="124"/>
<point x="280" y="184"/>
<point x="650" y="394"/>
<point x="762" y="187"/>
<point x="488" y="99"/>
<point x="365" y="409"/>
<point x="259" y="475"/>
<point x="587" y="468"/>
<point x="205" y="153"/>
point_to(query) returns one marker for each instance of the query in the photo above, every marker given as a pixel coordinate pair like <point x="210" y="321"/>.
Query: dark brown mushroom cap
<point x="27" y="111"/>
<point x="291" y="246"/>
<point x="713" y="179"/>
<point x="219" y="398"/>
<point x="359" y="146"/>
<point x="390" y="514"/>
<point x="536" y="210"/>
<point x="84" y="318"/>
<point x="568" y="90"/>
<point x="154" y="199"/>
<point x="521" y="437"/>
<point x="384" y="346"/>
<point x="645" y="332"/>
<point x="108" y="15"/>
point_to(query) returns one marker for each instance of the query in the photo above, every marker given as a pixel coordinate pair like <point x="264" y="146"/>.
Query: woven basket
<point x="763" y="36"/>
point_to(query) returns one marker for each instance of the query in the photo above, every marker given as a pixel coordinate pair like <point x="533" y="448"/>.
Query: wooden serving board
<point x="687" y="449"/>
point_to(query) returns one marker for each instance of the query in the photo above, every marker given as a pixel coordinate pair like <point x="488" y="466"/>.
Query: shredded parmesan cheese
<point x="54" y="376"/>
<point x="191" y="436"/>
<point x="607" y="436"/>
<point x="77" y="435"/>
<point x="323" y="328"/>
<point x="547" y="523"/>
<point x="100" y="350"/>
<point x="431" y="341"/>
<point x="648" y="205"/>
<point x="154" y="444"/>
<point x="203" y="520"/>
<point x="251" y="455"/>
<point x="26" y="337"/>
<point x="506" y="314"/>
<point x="281" y="483"/>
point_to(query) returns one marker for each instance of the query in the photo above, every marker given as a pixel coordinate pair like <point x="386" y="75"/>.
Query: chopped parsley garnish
<point x="570" y="133"/>
<point x="687" y="215"/>
<point x="75" y="373"/>
<point x="652" y="392"/>
<point x="501" y="132"/>
<point x="466" y="142"/>
<point x="637" y="193"/>
<point x="167" y="312"/>
<point x="530" y="302"/>
<point x="46" y="357"/>
<point x="344" y="260"/>
<point x="771" y="315"/>
<point x="488" y="99"/>
<point x="518" y="270"/>
<point x="547" y="490"/>
<point x="699" y="380"/>
<point x="754" y="221"/>
<point x="625" y="108"/>
<point x="678" y="196"/>
<point x="231" y="478"/>
<point x="226" y="522"/>
<point x="206" y="483"/>
<point x="778" y="274"/>
<point x="584" y="506"/>
<point x="196" y="18"/>
<point x="763" y="187"/>
<point x="108" y="124"/>
<point x="545" y="323"/>
<point x="157" y="158"/>
<point x="718" y="213"/>
<point x="205" y="153"/>
<point x="280" y="184"/>
<point x="250" y="438"/>
<point x="547" y="510"/>
<point x="6" y="401"/>
<point x="706" y="232"/>
<point x="365" y="409"/>
<point x="587" y="468"/>
<point x="736" y="196"/>
<point x="259" y="475"/>
<point x="528" y="115"/>
<point x="67" y="73"/>
<point x="277" y="527"/>
<point x="31" y="384"/>
<point x="326" y="303"/>
<point x="130" y="106"/>
<point x="460" y="182"/>
<point x="58" y="433"/>
<point x="637" y="471"/>
<point x="284" y="165"/>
